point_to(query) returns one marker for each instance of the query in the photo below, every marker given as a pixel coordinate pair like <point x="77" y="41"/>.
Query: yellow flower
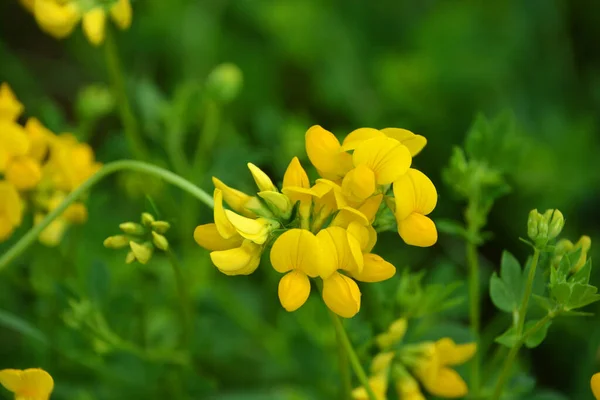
<point x="262" y="180"/>
<point x="29" y="384"/>
<point x="296" y="253"/>
<point x="237" y="200"/>
<point x="71" y="163"/>
<point x="11" y="210"/>
<point x="40" y="139"/>
<point x="24" y="172"/>
<point x="433" y="368"/>
<point x="415" y="197"/>
<point x="59" y="17"/>
<point x="394" y="334"/>
<point x="10" y="107"/>
<point x="595" y="383"/>
<point x="378" y="384"/>
<point x="326" y="154"/>
<point x="76" y="213"/>
<point x="296" y="187"/>
<point x="414" y="143"/>
<point x="13" y="142"/>
<point x="408" y="388"/>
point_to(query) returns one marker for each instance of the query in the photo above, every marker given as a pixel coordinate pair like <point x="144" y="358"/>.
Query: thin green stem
<point x="506" y="369"/>
<point x="210" y="129"/>
<point x="344" y="341"/>
<point x="474" y="312"/>
<point x="346" y="388"/>
<point x="184" y="300"/>
<point x="108" y="169"/>
<point x="132" y="132"/>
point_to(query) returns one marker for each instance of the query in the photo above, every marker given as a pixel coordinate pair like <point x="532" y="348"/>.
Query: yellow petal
<point x="388" y="158"/>
<point x="33" y="383"/>
<point x="359" y="183"/>
<point x="370" y="207"/>
<point x="279" y="203"/>
<point x="381" y="362"/>
<point x="342" y="295"/>
<point x="378" y="385"/>
<point x="76" y="213"/>
<point x="241" y="260"/>
<point x="447" y="383"/>
<point x="362" y="234"/>
<point x="24" y="172"/>
<point x="13" y="139"/>
<point x="326" y="154"/>
<point x="256" y="230"/>
<point x="263" y="182"/>
<point x="415" y="143"/>
<point x="357" y="136"/>
<point x="414" y="192"/>
<point x="328" y="195"/>
<point x="121" y="13"/>
<point x="297" y="249"/>
<point x="28" y="4"/>
<point x="94" y="22"/>
<point x="595" y="383"/>
<point x="342" y="247"/>
<point x="375" y="269"/>
<point x="224" y="226"/>
<point x="10" y="106"/>
<point x="294" y="289"/>
<point x="236" y="199"/>
<point x="207" y="236"/>
<point x="450" y="353"/>
<point x="408" y="388"/>
<point x="11" y="209"/>
<point x="40" y="138"/>
<point x="56" y="18"/>
<point x="347" y="215"/>
<point x="295" y="175"/>
<point x="418" y="230"/>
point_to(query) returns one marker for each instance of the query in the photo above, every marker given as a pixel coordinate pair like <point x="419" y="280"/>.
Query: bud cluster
<point x="141" y="238"/>
<point x="543" y="228"/>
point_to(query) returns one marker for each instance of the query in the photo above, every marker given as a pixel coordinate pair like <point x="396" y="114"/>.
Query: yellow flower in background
<point x="71" y="163"/>
<point x="408" y="388"/>
<point x="11" y="209"/>
<point x="59" y="17"/>
<point x="432" y="369"/>
<point x="29" y="384"/>
<point x="415" y="197"/>
<point x="378" y="382"/>
<point x="595" y="383"/>
<point x="10" y="107"/>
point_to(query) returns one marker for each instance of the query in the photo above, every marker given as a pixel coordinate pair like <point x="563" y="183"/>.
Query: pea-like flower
<point x="11" y="209"/>
<point x="28" y="384"/>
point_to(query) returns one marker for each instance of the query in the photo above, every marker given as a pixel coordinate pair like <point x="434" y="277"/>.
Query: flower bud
<point x="224" y="82"/>
<point x="160" y="241"/>
<point x="142" y="252"/>
<point x="132" y="228"/>
<point x="279" y="203"/>
<point x="147" y="219"/>
<point x="532" y="224"/>
<point x="542" y="228"/>
<point x="116" y="242"/>
<point x="160" y="226"/>
<point x="584" y="243"/>
<point x="130" y="257"/>
<point x="556" y="225"/>
<point x="94" y="101"/>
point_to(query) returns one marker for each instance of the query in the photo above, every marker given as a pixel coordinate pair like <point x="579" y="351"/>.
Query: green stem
<point x="108" y="169"/>
<point x="209" y="132"/>
<point x="474" y="312"/>
<point x="184" y="300"/>
<point x="344" y="341"/>
<point x="113" y="65"/>
<point x="346" y="388"/>
<point x="513" y="354"/>
<point x="528" y="289"/>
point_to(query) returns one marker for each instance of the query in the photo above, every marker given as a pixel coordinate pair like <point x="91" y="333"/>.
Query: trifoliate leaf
<point x="538" y="336"/>
<point x="508" y="338"/>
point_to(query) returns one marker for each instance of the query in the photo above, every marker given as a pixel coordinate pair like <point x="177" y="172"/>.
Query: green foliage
<point x="506" y="290"/>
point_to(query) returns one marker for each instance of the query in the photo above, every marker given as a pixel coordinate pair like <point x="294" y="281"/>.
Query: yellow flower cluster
<point x="59" y="17"/>
<point x="428" y="363"/>
<point x="29" y="384"/>
<point x="325" y="230"/>
<point x="37" y="170"/>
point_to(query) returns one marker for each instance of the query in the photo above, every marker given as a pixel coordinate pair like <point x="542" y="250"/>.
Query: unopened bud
<point x="556" y="224"/>
<point x="160" y="241"/>
<point x="532" y="224"/>
<point x="584" y="243"/>
<point x="147" y="219"/>
<point x="160" y="226"/>
<point x="132" y="228"/>
<point x="116" y="242"/>
<point x="542" y="228"/>
<point x="142" y="252"/>
<point x="262" y="180"/>
<point x="224" y="82"/>
<point x="398" y="328"/>
<point x="279" y="203"/>
<point x="130" y="257"/>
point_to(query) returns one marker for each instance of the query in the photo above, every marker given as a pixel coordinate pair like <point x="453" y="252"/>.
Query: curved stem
<point x="106" y="170"/>
<point x="512" y="355"/>
<point x="344" y="341"/>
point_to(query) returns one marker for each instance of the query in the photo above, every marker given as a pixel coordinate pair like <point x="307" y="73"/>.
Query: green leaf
<point x="538" y="336"/>
<point x="581" y="296"/>
<point x="18" y="324"/>
<point x="544" y="302"/>
<point x="511" y="272"/>
<point x="501" y="294"/>
<point x="508" y="338"/>
<point x="583" y="275"/>
<point x="561" y="292"/>
<point x="451" y="227"/>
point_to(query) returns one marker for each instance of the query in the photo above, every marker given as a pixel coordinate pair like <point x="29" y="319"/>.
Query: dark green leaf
<point x="501" y="295"/>
<point x="537" y="337"/>
<point x="508" y="338"/>
<point x="511" y="273"/>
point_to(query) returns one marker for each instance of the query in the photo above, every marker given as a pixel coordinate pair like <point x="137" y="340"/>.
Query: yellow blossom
<point x="414" y="143"/>
<point x="11" y="209"/>
<point x="378" y="384"/>
<point x="10" y="107"/>
<point x="13" y="142"/>
<point x="40" y="139"/>
<point x="326" y="154"/>
<point x="262" y="180"/>
<point x="29" y="384"/>
<point x="408" y="388"/>
<point x="296" y="187"/>
<point x="415" y="197"/>
<point x="241" y="260"/>
<point x="595" y="383"/>
<point x="24" y="172"/>
<point x="71" y="163"/>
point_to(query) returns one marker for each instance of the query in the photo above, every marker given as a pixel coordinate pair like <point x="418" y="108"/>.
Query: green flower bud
<point x="160" y="241"/>
<point x="94" y="101"/>
<point x="147" y="219"/>
<point x="160" y="226"/>
<point x="116" y="242"/>
<point x="132" y="228"/>
<point x="584" y="243"/>
<point x="130" y="257"/>
<point x="224" y="82"/>
<point x="532" y="224"/>
<point x="142" y="252"/>
<point x="542" y="228"/>
<point x="556" y="224"/>
<point x="279" y="203"/>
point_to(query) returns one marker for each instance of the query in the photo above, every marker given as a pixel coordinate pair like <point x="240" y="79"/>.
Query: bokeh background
<point x="427" y="66"/>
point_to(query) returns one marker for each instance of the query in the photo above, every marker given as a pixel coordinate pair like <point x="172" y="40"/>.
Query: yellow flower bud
<point x="147" y="219"/>
<point x="160" y="241"/>
<point x="262" y="180"/>
<point x="279" y="203"/>
<point x="142" y="252"/>
<point x="130" y="257"/>
<point x="160" y="226"/>
<point x="94" y="22"/>
<point x="225" y="82"/>
<point x="121" y="13"/>
<point x="132" y="228"/>
<point x="116" y="242"/>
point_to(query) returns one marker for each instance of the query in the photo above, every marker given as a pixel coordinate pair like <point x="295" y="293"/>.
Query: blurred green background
<point x="426" y="66"/>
